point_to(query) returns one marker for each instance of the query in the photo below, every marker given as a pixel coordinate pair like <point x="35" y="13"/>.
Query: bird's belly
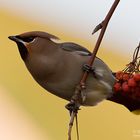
<point x="97" y="92"/>
<point x="94" y="97"/>
<point x="59" y="89"/>
<point x="94" y="94"/>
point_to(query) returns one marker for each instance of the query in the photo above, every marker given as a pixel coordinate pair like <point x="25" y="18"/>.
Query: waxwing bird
<point x="57" y="67"/>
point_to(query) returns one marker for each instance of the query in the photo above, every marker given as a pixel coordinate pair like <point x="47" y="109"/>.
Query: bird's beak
<point x="14" y="38"/>
<point x="17" y="40"/>
<point x="21" y="46"/>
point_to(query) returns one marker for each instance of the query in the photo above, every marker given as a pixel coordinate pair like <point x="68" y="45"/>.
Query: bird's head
<point x="33" y="42"/>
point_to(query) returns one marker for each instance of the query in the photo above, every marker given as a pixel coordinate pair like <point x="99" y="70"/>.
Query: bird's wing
<point x="72" y="47"/>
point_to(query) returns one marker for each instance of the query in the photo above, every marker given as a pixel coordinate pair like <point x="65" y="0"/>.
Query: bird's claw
<point x="88" y="68"/>
<point x="72" y="107"/>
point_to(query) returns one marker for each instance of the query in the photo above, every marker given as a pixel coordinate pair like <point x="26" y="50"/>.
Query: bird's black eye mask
<point x="23" y="50"/>
<point x="26" y="39"/>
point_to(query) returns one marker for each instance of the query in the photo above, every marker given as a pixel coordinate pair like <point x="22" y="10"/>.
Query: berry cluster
<point x="128" y="84"/>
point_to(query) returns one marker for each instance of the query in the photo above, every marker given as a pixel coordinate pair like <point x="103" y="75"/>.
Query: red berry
<point x="132" y="83"/>
<point x="126" y="77"/>
<point x="125" y="87"/>
<point x="119" y="75"/>
<point x="136" y="94"/>
<point x="137" y="77"/>
<point x="117" y="87"/>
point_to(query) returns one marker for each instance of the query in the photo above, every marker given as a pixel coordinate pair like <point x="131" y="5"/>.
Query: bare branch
<point x="77" y="95"/>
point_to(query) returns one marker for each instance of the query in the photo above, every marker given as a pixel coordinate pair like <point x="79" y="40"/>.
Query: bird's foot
<point x="72" y="107"/>
<point x="89" y="69"/>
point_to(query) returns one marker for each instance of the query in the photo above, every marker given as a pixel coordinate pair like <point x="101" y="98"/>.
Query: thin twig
<point x="105" y="23"/>
<point x="77" y="130"/>
<point x="98" y="27"/>
<point x="73" y="114"/>
<point x="82" y="82"/>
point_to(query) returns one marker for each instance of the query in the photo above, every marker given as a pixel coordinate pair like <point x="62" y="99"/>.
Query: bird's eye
<point x="27" y="39"/>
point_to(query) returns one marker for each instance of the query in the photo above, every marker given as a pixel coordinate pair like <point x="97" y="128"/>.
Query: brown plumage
<point x="57" y="67"/>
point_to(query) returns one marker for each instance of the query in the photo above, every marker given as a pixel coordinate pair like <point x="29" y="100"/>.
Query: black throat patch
<point x="23" y="50"/>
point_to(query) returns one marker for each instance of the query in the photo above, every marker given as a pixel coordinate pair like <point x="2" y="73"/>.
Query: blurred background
<point x="28" y="112"/>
